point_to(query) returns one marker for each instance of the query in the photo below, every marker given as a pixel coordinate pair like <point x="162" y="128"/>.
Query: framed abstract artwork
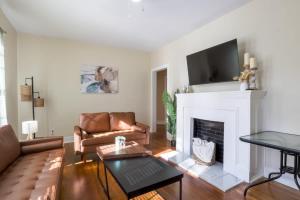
<point x="99" y="79"/>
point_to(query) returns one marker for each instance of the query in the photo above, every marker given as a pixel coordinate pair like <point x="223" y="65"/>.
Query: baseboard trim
<point x="68" y="139"/>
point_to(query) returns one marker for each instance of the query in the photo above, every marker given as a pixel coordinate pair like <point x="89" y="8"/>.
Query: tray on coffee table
<point x="131" y="150"/>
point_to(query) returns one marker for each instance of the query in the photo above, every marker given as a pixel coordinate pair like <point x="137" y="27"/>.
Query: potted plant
<point x="170" y="106"/>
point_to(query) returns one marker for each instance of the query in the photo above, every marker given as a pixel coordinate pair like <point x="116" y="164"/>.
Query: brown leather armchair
<point x="97" y="129"/>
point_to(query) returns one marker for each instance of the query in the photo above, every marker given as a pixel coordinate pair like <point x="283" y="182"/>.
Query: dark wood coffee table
<point x="135" y="170"/>
<point x="108" y="152"/>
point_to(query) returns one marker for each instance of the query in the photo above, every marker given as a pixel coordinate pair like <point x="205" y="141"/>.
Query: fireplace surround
<point x="239" y="112"/>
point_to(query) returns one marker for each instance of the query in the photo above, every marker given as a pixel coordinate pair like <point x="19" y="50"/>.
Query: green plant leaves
<point x="170" y="106"/>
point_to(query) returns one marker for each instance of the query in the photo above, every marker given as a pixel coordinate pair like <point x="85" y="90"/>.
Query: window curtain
<point x="3" y="117"/>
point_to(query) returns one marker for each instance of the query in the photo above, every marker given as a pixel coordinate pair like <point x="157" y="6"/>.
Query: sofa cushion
<point x="34" y="176"/>
<point x="9" y="146"/>
<point x="95" y="122"/>
<point x="109" y="137"/>
<point x="121" y="120"/>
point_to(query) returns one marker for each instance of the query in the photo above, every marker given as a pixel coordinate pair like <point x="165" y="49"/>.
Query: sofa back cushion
<point x="121" y="120"/>
<point x="95" y="122"/>
<point x="9" y="146"/>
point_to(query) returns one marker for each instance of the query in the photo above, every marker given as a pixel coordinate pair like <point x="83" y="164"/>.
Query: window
<point x="3" y="117"/>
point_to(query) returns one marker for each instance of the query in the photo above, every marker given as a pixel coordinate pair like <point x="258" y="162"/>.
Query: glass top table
<point x="287" y="144"/>
<point x="275" y="140"/>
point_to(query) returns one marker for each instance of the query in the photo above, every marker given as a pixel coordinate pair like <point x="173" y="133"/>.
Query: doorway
<point x="161" y="86"/>
<point x="159" y="81"/>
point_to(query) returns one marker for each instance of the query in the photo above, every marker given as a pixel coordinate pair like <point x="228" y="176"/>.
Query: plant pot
<point x="173" y="143"/>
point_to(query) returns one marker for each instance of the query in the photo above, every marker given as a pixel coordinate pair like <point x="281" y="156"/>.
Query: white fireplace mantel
<point x="239" y="110"/>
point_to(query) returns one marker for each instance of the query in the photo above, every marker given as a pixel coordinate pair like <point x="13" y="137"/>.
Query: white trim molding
<point x="154" y="71"/>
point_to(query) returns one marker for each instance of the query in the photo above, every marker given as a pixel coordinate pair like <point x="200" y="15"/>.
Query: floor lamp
<point x="27" y="94"/>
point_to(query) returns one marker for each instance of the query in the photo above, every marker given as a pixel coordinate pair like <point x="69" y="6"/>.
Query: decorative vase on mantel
<point x="247" y="77"/>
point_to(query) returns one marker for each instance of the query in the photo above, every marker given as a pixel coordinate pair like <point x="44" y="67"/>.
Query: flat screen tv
<point x="216" y="64"/>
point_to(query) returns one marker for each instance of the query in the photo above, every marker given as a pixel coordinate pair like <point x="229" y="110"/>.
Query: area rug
<point x="149" y="196"/>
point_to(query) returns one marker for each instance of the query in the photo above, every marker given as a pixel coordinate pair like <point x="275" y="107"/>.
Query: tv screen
<point x="216" y="64"/>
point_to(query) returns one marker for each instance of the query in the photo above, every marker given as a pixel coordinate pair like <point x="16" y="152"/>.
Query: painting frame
<point x="99" y="79"/>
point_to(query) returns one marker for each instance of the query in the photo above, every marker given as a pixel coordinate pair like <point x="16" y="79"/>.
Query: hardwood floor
<point x="80" y="181"/>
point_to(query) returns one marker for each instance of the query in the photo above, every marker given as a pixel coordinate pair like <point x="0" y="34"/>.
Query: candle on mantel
<point x="252" y="63"/>
<point x="246" y="59"/>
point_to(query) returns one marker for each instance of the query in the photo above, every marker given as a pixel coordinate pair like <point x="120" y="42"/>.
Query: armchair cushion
<point x="9" y="146"/>
<point x="109" y="137"/>
<point x="121" y="120"/>
<point x="94" y="122"/>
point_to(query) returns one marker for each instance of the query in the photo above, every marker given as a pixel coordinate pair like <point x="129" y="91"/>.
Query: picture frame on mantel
<point x="99" y="79"/>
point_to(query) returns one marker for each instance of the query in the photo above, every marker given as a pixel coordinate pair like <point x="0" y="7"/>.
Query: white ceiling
<point x="120" y="23"/>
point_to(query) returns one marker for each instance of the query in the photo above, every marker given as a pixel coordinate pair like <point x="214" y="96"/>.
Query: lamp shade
<point x="26" y="92"/>
<point x="29" y="127"/>
<point x="38" y="102"/>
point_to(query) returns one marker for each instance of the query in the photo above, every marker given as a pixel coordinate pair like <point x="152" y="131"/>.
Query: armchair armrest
<point x="143" y="126"/>
<point x="147" y="130"/>
<point x="77" y="139"/>
<point x="41" y="144"/>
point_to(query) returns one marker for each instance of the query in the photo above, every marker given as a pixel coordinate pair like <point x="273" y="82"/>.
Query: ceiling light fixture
<point x="136" y="1"/>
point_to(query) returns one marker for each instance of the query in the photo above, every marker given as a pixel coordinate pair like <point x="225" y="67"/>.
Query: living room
<point x="52" y="50"/>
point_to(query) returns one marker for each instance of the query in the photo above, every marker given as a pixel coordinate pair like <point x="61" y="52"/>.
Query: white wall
<point x="10" y="53"/>
<point x="269" y="30"/>
<point x="55" y="65"/>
